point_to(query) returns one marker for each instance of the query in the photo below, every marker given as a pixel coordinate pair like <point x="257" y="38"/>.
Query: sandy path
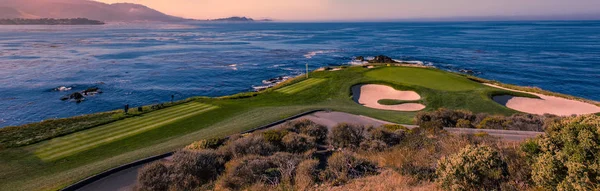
<point x="547" y="104"/>
<point x="369" y="95"/>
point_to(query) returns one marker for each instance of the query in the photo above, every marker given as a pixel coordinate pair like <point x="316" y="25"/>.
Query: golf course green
<point x="58" y="162"/>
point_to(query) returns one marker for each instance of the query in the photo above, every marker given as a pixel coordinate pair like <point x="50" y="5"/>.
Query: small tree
<point x="473" y="168"/>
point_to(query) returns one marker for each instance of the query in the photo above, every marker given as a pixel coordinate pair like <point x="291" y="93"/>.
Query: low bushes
<point x="246" y="171"/>
<point x="206" y="144"/>
<point x="568" y="156"/>
<point x="191" y="169"/>
<point x="254" y="144"/>
<point x="277" y="158"/>
<point x="473" y="168"/>
<point x="307" y="127"/>
<point x="343" y="166"/>
<point x="298" y="143"/>
<point x="365" y="138"/>
<point x="345" y="135"/>
<point x="464" y="119"/>
<point x="307" y="174"/>
<point x="154" y="177"/>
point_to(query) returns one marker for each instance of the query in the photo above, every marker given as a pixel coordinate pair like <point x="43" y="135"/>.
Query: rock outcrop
<point x="381" y="59"/>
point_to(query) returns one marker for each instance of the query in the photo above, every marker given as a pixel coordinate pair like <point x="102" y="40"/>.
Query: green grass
<point x="303" y="85"/>
<point x="430" y="78"/>
<point x="85" y="140"/>
<point x="55" y="163"/>
<point x="396" y="102"/>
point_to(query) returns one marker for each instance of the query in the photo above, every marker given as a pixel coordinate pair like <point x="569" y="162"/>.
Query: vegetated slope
<point x="302" y="155"/>
<point x="23" y="170"/>
<point x="82" y="9"/>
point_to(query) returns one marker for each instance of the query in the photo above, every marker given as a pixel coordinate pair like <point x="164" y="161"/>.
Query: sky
<point x="323" y="10"/>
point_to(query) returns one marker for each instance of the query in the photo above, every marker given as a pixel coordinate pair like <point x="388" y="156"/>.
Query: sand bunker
<point x="369" y="95"/>
<point x="547" y="104"/>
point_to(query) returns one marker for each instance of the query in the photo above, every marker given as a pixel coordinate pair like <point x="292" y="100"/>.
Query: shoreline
<point x="293" y="79"/>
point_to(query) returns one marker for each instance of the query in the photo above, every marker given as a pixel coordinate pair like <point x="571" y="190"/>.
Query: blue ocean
<point x="141" y="64"/>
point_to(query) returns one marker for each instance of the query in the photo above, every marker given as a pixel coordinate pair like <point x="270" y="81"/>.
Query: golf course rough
<point x="300" y="86"/>
<point x="85" y="140"/>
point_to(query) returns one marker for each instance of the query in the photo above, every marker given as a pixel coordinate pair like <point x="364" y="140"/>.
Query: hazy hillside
<point x="80" y="8"/>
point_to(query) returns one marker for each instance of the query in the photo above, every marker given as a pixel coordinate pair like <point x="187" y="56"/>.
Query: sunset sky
<point x="365" y="9"/>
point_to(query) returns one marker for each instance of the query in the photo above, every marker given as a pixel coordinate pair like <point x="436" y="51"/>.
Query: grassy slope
<point x="22" y="169"/>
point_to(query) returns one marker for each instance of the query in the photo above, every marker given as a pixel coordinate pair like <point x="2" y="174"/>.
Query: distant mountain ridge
<point x="34" y="9"/>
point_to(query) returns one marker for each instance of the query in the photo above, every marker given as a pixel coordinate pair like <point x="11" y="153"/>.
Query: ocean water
<point x="140" y="64"/>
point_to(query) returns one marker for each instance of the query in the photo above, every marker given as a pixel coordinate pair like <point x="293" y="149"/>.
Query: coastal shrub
<point x="395" y="127"/>
<point x="431" y="127"/>
<point x="194" y="168"/>
<point x="307" y="174"/>
<point x="344" y="166"/>
<point x="527" y="122"/>
<point x="280" y="168"/>
<point x="310" y="128"/>
<point x="154" y="177"/>
<point x="448" y="118"/>
<point x="246" y="171"/>
<point x="287" y="165"/>
<point x="519" y="169"/>
<point x="254" y="144"/>
<point x="473" y="168"/>
<point x="373" y="145"/>
<point x="567" y="157"/>
<point x="206" y="144"/>
<point x="493" y="122"/>
<point x="298" y="143"/>
<point x="345" y="135"/>
<point x="386" y="136"/>
<point x="275" y="136"/>
<point x="463" y="123"/>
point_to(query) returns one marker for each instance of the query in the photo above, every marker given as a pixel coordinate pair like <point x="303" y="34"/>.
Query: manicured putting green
<point x="85" y="140"/>
<point x="295" y="88"/>
<point x="429" y="78"/>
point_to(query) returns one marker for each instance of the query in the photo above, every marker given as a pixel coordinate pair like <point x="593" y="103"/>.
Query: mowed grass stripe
<point x="300" y="86"/>
<point x="59" y="152"/>
<point x="84" y="137"/>
<point x="124" y="124"/>
<point x="304" y="86"/>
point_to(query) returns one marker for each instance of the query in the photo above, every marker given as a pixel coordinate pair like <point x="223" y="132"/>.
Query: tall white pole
<point x="306" y="70"/>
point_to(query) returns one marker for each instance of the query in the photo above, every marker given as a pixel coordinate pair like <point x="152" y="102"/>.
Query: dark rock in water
<point x="93" y="90"/>
<point x="466" y="71"/>
<point x="360" y="58"/>
<point x="382" y="59"/>
<point x="80" y="96"/>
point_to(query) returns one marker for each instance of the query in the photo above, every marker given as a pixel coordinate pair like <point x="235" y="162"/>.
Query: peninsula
<point x="50" y="21"/>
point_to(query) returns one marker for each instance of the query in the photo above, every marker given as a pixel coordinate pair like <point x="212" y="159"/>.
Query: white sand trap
<point x="369" y="95"/>
<point x="547" y="104"/>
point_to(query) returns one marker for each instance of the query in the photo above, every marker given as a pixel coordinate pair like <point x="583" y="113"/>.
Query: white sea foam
<point x="357" y="62"/>
<point x="311" y="54"/>
<point x="62" y="88"/>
